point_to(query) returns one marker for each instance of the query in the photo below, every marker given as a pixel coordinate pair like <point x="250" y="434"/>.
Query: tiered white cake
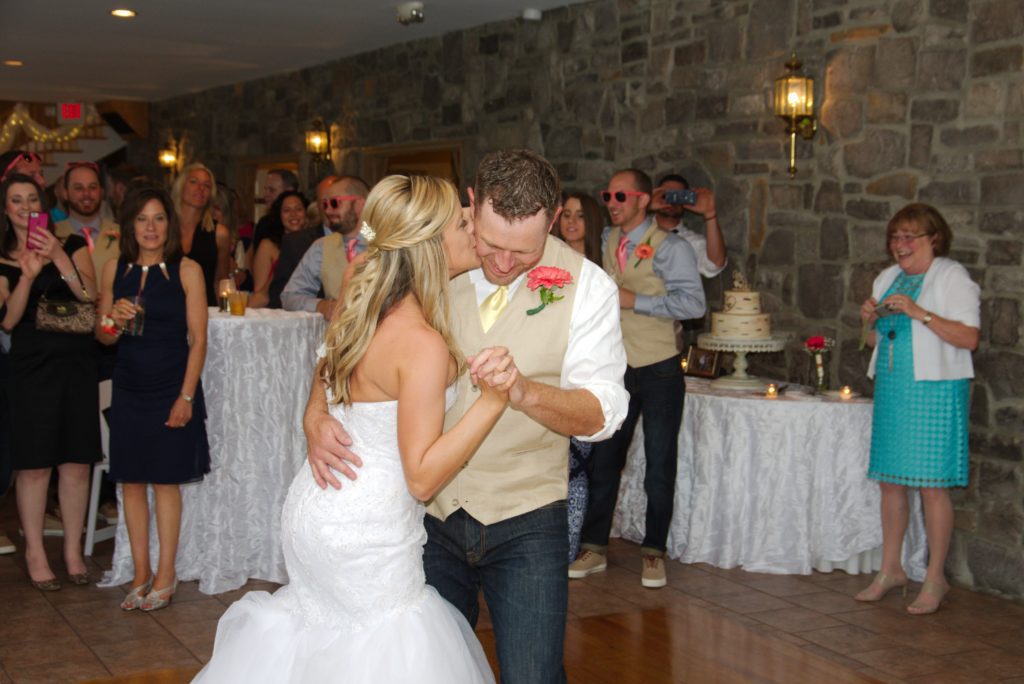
<point x="741" y="317"/>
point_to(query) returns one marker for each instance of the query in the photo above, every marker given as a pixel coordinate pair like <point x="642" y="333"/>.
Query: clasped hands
<point x="492" y="371"/>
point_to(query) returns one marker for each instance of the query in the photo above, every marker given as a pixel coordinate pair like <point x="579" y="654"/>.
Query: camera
<point x="681" y="196"/>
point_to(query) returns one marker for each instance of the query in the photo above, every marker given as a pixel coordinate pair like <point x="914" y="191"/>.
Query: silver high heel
<point x="160" y="598"/>
<point x="137" y="595"/>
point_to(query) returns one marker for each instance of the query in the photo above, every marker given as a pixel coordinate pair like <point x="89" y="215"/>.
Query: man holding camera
<point x="656" y="272"/>
<point x="710" y="247"/>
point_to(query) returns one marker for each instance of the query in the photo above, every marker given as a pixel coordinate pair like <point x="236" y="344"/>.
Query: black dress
<point x="148" y="377"/>
<point x="52" y="388"/>
<point x="204" y="253"/>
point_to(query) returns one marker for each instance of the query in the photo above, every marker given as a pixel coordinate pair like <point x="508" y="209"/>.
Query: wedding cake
<point x="741" y="317"/>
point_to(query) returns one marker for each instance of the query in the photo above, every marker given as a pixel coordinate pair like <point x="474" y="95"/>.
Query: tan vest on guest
<point x="106" y="243"/>
<point x="648" y="339"/>
<point x="522" y="465"/>
<point x="332" y="268"/>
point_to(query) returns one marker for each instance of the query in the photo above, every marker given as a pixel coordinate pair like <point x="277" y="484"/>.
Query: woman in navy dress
<point x="157" y="417"/>
<point x="922" y="370"/>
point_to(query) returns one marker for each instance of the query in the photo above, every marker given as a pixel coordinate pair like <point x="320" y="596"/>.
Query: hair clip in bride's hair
<point x="367" y="232"/>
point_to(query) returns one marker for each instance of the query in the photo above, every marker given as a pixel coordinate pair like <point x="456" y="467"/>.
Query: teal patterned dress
<point x="919" y="427"/>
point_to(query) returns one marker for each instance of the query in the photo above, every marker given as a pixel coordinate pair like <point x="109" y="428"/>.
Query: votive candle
<point x="772" y="392"/>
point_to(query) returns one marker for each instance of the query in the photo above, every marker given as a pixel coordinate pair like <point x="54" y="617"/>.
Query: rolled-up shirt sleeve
<point x="595" y="359"/>
<point x="675" y="263"/>
<point x="300" y="294"/>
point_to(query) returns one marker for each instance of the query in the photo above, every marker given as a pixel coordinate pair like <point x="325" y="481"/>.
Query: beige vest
<point x="333" y="265"/>
<point x="106" y="244"/>
<point x="647" y="339"/>
<point x="522" y="465"/>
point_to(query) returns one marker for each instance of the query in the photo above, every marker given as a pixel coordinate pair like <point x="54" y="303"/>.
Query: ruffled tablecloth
<point x="771" y="485"/>
<point x="256" y="379"/>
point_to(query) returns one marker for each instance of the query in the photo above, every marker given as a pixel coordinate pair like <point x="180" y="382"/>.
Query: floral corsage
<point x="548" y="279"/>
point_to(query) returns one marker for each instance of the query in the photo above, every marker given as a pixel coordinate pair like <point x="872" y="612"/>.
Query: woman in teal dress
<point x="925" y="313"/>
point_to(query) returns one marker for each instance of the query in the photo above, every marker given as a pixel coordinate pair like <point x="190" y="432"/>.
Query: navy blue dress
<point x="148" y="377"/>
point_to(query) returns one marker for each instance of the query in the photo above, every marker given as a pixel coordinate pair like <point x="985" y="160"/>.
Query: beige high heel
<point x="880" y="586"/>
<point x="137" y="595"/>
<point x="160" y="598"/>
<point x="936" y="594"/>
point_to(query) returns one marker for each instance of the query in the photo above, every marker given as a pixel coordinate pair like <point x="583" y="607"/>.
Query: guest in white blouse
<point x="924" y="315"/>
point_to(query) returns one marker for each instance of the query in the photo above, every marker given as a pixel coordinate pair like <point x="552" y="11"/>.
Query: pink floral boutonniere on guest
<point x="643" y="251"/>
<point x="548" y="279"/>
<point x="112" y="237"/>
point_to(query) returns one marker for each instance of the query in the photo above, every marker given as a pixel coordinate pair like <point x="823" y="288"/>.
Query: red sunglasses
<point x="24" y="156"/>
<point x="335" y="202"/>
<point x="620" y="195"/>
<point x="71" y="166"/>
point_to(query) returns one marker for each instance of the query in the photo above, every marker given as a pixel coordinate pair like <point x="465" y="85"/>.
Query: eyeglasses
<point x="335" y="202"/>
<point x="71" y="166"/>
<point x="23" y="157"/>
<point x="904" y="238"/>
<point x="620" y="195"/>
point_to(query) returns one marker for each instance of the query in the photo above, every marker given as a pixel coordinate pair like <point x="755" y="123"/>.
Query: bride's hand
<point x="494" y="371"/>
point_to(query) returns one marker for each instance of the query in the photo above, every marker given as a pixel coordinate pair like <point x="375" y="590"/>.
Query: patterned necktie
<point x="350" y="248"/>
<point x="492" y="307"/>
<point x="620" y="253"/>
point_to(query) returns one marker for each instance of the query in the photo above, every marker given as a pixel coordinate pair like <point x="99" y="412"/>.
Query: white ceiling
<point x="74" y="50"/>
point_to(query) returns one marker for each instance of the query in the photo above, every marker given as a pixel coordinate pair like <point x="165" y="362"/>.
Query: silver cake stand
<point x="739" y="379"/>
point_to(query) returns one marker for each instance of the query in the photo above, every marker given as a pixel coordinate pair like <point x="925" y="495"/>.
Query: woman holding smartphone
<point x="53" y="402"/>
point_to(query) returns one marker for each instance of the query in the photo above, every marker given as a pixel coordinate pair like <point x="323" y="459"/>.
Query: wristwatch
<point x="186" y="397"/>
<point x="926" y="319"/>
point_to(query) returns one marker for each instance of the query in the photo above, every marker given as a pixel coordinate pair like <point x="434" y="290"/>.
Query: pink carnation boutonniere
<point x="548" y="279"/>
<point x="112" y="237"/>
<point x="643" y="251"/>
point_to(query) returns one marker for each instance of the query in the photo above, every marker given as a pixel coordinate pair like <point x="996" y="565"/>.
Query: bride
<point x="357" y="608"/>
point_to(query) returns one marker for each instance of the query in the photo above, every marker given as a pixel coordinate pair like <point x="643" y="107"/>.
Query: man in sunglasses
<point x="83" y="185"/>
<point x="316" y="282"/>
<point x="656" y="272"/>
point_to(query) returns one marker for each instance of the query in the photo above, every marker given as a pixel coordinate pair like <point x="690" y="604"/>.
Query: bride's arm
<point x="430" y="458"/>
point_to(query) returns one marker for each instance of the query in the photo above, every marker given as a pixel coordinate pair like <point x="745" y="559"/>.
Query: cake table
<point x="739" y="379"/>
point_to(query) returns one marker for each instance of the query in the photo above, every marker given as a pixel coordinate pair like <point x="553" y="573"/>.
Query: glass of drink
<point x="227" y="286"/>
<point x="237" y="302"/>
<point x="136" y="324"/>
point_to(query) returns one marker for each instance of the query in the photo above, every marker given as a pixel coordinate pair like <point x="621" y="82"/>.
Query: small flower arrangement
<point x="643" y="251"/>
<point x="816" y="346"/>
<point x="548" y="279"/>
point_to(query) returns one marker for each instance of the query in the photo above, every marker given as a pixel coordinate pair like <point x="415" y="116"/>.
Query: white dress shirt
<point x="595" y="359"/>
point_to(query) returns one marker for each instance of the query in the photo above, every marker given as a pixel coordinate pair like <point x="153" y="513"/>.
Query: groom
<point x="500" y="524"/>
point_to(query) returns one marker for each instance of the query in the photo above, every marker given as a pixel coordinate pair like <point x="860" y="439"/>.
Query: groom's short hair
<point x="518" y="183"/>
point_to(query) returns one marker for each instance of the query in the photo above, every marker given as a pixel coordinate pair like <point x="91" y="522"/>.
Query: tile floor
<point x="80" y="634"/>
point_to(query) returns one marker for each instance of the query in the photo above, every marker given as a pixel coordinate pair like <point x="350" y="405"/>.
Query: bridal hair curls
<point x="405" y="256"/>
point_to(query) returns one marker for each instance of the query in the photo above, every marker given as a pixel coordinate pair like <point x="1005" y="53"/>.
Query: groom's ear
<point x="472" y="200"/>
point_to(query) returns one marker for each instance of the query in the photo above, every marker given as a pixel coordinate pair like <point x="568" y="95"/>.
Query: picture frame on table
<point x="702" y="363"/>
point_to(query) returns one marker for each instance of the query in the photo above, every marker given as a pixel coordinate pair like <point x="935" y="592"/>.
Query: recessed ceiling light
<point x="13" y="62"/>
<point x="123" y="13"/>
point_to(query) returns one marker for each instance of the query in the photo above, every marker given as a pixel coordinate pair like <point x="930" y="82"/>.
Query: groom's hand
<point x="327" y="448"/>
<point x="497" y="367"/>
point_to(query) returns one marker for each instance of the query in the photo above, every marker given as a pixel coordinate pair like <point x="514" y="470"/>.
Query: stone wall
<point x="920" y="100"/>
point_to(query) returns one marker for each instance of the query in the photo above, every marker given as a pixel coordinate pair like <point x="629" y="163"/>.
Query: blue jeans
<point x="657" y="392"/>
<point x="522" y="565"/>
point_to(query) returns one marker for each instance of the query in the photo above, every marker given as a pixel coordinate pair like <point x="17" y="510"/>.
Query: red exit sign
<point x="69" y="112"/>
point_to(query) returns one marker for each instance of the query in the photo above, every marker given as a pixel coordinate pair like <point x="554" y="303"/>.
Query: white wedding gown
<point x="356" y="608"/>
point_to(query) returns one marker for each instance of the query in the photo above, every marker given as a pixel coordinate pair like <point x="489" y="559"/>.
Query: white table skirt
<point x="256" y="381"/>
<point x="775" y="486"/>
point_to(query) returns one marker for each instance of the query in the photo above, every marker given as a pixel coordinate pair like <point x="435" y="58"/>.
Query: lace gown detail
<point x="357" y="608"/>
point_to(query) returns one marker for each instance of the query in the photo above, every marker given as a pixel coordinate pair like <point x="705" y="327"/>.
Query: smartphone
<point x="883" y="310"/>
<point x="680" y="196"/>
<point x="36" y="224"/>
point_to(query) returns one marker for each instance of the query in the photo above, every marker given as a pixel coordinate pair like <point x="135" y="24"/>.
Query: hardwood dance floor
<point x="708" y="625"/>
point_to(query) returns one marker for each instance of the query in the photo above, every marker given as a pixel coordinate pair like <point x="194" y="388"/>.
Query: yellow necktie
<point x="492" y="307"/>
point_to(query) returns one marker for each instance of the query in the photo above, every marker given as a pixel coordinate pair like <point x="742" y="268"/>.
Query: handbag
<point x="68" y="317"/>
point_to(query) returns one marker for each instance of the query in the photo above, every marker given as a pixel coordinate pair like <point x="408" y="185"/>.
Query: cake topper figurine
<point x="739" y="282"/>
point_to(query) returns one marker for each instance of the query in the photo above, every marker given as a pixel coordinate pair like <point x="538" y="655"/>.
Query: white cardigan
<point x="949" y="292"/>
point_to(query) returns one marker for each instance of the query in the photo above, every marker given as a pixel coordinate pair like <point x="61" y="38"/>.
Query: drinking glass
<point x="136" y="324"/>
<point x="227" y="286"/>
<point x="237" y="302"/>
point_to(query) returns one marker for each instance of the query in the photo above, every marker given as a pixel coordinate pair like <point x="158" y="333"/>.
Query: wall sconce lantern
<point x="794" y="104"/>
<point x="168" y="158"/>
<point x="318" y="141"/>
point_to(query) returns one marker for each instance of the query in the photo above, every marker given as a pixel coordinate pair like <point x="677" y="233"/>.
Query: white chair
<point x="92" y="535"/>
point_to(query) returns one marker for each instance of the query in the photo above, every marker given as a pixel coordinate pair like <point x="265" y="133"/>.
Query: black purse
<point x="68" y="317"/>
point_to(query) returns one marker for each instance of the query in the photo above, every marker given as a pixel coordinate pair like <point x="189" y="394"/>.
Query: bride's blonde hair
<point x="405" y="217"/>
